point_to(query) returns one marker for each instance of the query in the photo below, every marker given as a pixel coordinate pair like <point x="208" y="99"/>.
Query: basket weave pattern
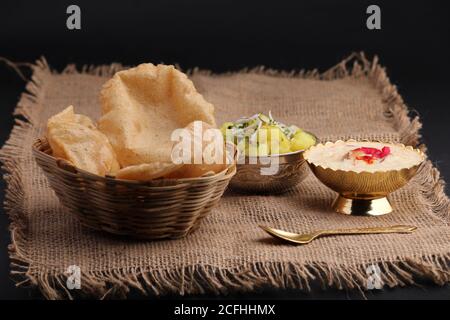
<point x="166" y="208"/>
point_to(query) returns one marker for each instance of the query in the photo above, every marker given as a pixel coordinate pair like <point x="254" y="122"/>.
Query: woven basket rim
<point x="68" y="168"/>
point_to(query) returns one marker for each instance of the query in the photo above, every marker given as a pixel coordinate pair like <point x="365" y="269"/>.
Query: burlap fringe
<point x="200" y="279"/>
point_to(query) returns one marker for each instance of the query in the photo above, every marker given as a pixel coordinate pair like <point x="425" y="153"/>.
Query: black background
<point x="228" y="35"/>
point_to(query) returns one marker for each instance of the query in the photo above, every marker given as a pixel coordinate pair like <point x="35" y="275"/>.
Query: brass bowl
<point x="254" y="175"/>
<point x="363" y="193"/>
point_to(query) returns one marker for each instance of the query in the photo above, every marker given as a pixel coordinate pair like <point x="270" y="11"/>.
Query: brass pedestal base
<point x="362" y="206"/>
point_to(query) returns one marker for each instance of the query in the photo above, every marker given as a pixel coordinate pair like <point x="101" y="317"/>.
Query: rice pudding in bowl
<point x="363" y="172"/>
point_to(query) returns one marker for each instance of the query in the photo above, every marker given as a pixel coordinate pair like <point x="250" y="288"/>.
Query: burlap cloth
<point x="229" y="252"/>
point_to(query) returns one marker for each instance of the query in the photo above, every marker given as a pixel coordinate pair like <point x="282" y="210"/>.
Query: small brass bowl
<point x="255" y="176"/>
<point x="364" y="193"/>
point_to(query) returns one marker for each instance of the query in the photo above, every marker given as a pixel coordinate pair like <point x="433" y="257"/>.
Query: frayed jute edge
<point x="198" y="279"/>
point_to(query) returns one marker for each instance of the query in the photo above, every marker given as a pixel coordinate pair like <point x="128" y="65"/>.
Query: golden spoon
<point x="308" y="237"/>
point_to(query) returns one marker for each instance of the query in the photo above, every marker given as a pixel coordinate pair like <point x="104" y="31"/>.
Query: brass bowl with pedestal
<point x="363" y="193"/>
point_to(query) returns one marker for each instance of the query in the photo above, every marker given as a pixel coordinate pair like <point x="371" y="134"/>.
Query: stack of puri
<point x="141" y="109"/>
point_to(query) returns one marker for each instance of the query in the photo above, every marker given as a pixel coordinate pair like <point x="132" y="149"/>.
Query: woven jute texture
<point x="229" y="252"/>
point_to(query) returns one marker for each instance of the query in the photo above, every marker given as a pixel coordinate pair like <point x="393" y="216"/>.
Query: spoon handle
<point x="390" y="229"/>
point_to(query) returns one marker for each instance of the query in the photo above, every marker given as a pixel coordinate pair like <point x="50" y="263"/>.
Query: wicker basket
<point x="165" y="208"/>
